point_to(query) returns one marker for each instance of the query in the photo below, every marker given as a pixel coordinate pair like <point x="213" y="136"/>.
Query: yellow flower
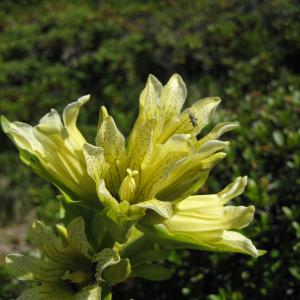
<point x="163" y="158"/>
<point x="203" y="222"/>
<point x="164" y="163"/>
<point x="150" y="179"/>
<point x="54" y="150"/>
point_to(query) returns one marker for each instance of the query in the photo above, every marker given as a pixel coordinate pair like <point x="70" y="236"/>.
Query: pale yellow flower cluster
<point x="150" y="179"/>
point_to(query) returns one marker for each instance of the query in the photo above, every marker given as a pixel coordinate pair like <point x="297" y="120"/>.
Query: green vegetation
<point x="247" y="52"/>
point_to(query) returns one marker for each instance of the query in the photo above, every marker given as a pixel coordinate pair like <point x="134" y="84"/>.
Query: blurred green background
<point x="247" y="52"/>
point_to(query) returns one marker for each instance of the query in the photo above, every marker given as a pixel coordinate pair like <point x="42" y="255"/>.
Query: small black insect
<point x="193" y="119"/>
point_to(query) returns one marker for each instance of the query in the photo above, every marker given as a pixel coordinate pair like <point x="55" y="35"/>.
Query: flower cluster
<point x="147" y="184"/>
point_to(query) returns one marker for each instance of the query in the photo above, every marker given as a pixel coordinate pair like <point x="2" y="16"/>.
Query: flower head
<point x="53" y="149"/>
<point x="163" y="159"/>
<point x="204" y="222"/>
<point x="149" y="180"/>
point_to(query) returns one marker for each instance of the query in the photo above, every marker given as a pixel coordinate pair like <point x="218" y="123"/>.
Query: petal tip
<point x="217" y="100"/>
<point x="251" y="208"/>
<point x="261" y="252"/>
<point x="244" y="180"/>
<point x="84" y="98"/>
<point x="5" y="123"/>
<point x="176" y="77"/>
<point x="153" y="80"/>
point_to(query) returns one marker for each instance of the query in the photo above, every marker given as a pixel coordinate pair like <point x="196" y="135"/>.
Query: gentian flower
<point x="53" y="149"/>
<point x="149" y="181"/>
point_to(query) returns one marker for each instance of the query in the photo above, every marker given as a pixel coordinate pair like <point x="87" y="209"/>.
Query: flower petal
<point x="217" y="131"/>
<point x="157" y="167"/>
<point x="235" y="242"/>
<point x="210" y="147"/>
<point x="105" y="196"/>
<point x="95" y="161"/>
<point x="233" y="190"/>
<point x="57" y="155"/>
<point x="188" y="176"/>
<point x="150" y="98"/>
<point x="210" y="219"/>
<point x="202" y="112"/>
<point x="70" y="115"/>
<point x="22" y="135"/>
<point x="113" y="143"/>
<point x="162" y="208"/>
<point x="110" y="139"/>
<point x="140" y="144"/>
<point x="174" y="240"/>
<point x="173" y="96"/>
<point x="62" y="162"/>
<point x="192" y="120"/>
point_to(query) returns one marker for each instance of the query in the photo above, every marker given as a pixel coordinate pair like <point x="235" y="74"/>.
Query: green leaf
<point x="117" y="273"/>
<point x="48" y="292"/>
<point x="77" y="277"/>
<point x="55" y="249"/>
<point x="136" y="243"/>
<point x="151" y="272"/>
<point x="150" y="255"/>
<point x="107" y="257"/>
<point x="94" y="228"/>
<point x="106" y="293"/>
<point x="32" y="268"/>
<point x="117" y="224"/>
<point x="108" y="296"/>
<point x="50" y="245"/>
<point x="92" y="292"/>
<point x="76" y="236"/>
